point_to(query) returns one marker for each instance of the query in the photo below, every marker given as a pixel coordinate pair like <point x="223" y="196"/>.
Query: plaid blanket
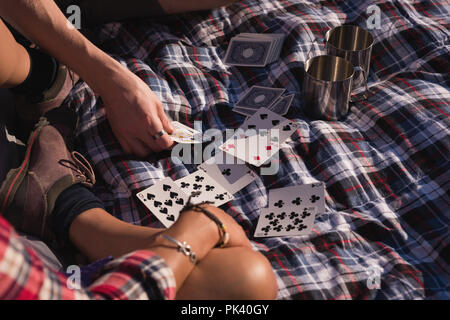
<point x="385" y="232"/>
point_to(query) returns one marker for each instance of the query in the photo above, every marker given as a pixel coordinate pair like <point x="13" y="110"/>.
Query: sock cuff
<point x="70" y="204"/>
<point x="42" y="74"/>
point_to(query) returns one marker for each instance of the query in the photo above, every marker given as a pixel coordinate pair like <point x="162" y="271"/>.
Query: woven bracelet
<point x="223" y="234"/>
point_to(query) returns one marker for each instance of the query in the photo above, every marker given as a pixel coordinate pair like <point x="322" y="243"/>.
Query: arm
<point x="178" y="6"/>
<point x="153" y="273"/>
<point x="133" y="110"/>
<point x="138" y="275"/>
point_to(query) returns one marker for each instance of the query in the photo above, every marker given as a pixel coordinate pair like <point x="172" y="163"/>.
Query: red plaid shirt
<point x="24" y="275"/>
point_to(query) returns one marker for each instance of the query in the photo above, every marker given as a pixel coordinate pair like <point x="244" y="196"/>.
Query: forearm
<point x="43" y="23"/>
<point x="178" y="6"/>
<point x="97" y="234"/>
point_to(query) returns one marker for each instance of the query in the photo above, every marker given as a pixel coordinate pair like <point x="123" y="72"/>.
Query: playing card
<point x="248" y="52"/>
<point x="281" y="106"/>
<point x="259" y="97"/>
<point x="233" y="177"/>
<point x="244" y="111"/>
<point x="239" y="46"/>
<point x="204" y="188"/>
<point x="165" y="200"/>
<point x="185" y="134"/>
<point x="278" y="223"/>
<point x="260" y="137"/>
<point x="307" y="195"/>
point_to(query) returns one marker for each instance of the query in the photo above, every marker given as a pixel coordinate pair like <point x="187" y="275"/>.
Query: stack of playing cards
<point x="254" y="50"/>
<point x="291" y="211"/>
<point x="263" y="97"/>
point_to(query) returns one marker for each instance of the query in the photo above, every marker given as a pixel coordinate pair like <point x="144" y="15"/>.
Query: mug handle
<point x="366" y="92"/>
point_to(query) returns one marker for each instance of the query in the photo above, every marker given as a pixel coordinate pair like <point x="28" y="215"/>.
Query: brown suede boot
<point x="30" y="109"/>
<point x="29" y="192"/>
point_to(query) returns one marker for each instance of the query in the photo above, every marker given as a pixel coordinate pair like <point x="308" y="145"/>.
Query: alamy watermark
<point x="374" y="17"/>
<point x="73" y="281"/>
<point x="74" y="18"/>
<point x="374" y="280"/>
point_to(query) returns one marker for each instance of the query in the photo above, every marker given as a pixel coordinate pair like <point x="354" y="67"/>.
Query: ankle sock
<point x="70" y="204"/>
<point x="42" y="75"/>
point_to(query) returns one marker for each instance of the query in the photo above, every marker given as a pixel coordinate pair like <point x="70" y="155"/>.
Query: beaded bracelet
<point x="223" y="234"/>
<point x="183" y="247"/>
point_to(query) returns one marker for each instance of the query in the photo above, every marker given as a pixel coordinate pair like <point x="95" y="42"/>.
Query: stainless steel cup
<point x="354" y="44"/>
<point x="327" y="86"/>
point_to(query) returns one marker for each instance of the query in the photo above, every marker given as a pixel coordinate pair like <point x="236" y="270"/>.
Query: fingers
<point x="159" y="143"/>
<point x="167" y="124"/>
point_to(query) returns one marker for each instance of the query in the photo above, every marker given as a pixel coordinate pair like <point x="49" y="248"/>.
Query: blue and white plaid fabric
<point x="385" y="166"/>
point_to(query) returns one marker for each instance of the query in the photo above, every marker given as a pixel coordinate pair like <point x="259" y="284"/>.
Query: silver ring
<point x="158" y="135"/>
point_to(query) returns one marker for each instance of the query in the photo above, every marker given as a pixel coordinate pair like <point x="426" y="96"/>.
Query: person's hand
<point x="136" y="115"/>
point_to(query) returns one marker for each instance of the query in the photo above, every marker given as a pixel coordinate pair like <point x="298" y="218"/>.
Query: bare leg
<point x="229" y="273"/>
<point x="236" y="273"/>
<point x="14" y="59"/>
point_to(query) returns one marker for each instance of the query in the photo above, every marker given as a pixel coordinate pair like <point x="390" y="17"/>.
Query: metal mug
<point x="327" y="86"/>
<point x="354" y="44"/>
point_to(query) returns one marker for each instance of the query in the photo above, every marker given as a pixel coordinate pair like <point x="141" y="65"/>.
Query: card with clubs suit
<point x="288" y="222"/>
<point x="165" y="200"/>
<point x="306" y="195"/>
<point x="291" y="210"/>
<point x="233" y="177"/>
<point x="202" y="187"/>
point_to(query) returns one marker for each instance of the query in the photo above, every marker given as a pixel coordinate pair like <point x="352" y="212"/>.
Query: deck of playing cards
<point x="254" y="50"/>
<point x="291" y="211"/>
<point x="263" y="97"/>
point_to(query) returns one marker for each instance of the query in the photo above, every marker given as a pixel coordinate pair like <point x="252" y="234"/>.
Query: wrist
<point x="99" y="71"/>
<point x="196" y="230"/>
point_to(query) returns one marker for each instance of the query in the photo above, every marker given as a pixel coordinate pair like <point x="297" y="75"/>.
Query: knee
<point x="258" y="281"/>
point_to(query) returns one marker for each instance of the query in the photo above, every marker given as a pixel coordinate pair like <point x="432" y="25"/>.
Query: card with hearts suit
<point x="260" y="137"/>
